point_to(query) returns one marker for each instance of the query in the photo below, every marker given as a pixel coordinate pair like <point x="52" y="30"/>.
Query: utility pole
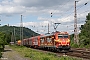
<point x="48" y="28"/>
<point x="14" y="36"/>
<point x="12" y="40"/>
<point x="21" y="29"/>
<point x="75" y="27"/>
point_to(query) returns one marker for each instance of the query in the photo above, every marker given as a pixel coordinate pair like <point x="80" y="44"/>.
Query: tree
<point x="85" y="32"/>
<point x="2" y="41"/>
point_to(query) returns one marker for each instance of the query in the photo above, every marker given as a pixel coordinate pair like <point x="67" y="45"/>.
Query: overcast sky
<point x="37" y="14"/>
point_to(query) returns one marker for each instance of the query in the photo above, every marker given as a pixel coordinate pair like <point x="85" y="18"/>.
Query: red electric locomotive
<point x="55" y="41"/>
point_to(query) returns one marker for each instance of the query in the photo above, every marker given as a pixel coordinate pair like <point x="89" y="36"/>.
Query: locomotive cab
<point x="62" y="41"/>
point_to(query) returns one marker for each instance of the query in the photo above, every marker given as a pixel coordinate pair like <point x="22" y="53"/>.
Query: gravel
<point x="10" y="54"/>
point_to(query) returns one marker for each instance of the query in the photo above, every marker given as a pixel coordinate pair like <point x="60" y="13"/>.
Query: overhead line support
<point x="75" y="27"/>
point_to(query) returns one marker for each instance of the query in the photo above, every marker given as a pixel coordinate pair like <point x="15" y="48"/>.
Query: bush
<point x="0" y="54"/>
<point x="1" y="48"/>
<point x="46" y="58"/>
<point x="74" y="45"/>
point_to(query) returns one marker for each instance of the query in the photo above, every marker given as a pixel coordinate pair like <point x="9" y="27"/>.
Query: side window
<point x="30" y="41"/>
<point x="36" y="39"/>
<point x="49" y="39"/>
<point x="42" y="40"/>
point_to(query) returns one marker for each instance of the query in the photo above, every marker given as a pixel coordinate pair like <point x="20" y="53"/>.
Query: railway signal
<point x="51" y="14"/>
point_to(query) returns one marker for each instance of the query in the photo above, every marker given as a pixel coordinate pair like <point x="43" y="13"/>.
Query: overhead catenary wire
<point x="60" y="7"/>
<point x="79" y="13"/>
<point x="79" y="9"/>
<point x="66" y="10"/>
<point x="84" y="12"/>
<point x="63" y="15"/>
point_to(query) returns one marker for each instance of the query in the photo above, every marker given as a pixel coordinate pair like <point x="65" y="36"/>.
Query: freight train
<point x="56" y="41"/>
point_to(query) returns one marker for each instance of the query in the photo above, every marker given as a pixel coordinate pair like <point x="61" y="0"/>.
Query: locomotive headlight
<point x="68" y="43"/>
<point x="68" y="40"/>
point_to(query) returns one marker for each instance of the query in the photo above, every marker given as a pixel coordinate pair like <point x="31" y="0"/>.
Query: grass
<point x="36" y="55"/>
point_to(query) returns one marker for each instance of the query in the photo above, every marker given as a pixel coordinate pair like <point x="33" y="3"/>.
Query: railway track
<point x="76" y="52"/>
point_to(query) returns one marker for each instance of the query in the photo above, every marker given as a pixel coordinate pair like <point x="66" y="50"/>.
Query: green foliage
<point x="71" y="37"/>
<point x="0" y="54"/>
<point x="68" y="58"/>
<point x="2" y="41"/>
<point x="85" y="33"/>
<point x="74" y="45"/>
<point x="9" y="31"/>
<point x="46" y="58"/>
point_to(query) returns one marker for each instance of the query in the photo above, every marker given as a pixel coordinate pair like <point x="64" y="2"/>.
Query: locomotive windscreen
<point x="62" y="36"/>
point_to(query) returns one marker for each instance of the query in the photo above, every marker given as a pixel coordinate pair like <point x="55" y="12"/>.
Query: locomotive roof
<point x="53" y="33"/>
